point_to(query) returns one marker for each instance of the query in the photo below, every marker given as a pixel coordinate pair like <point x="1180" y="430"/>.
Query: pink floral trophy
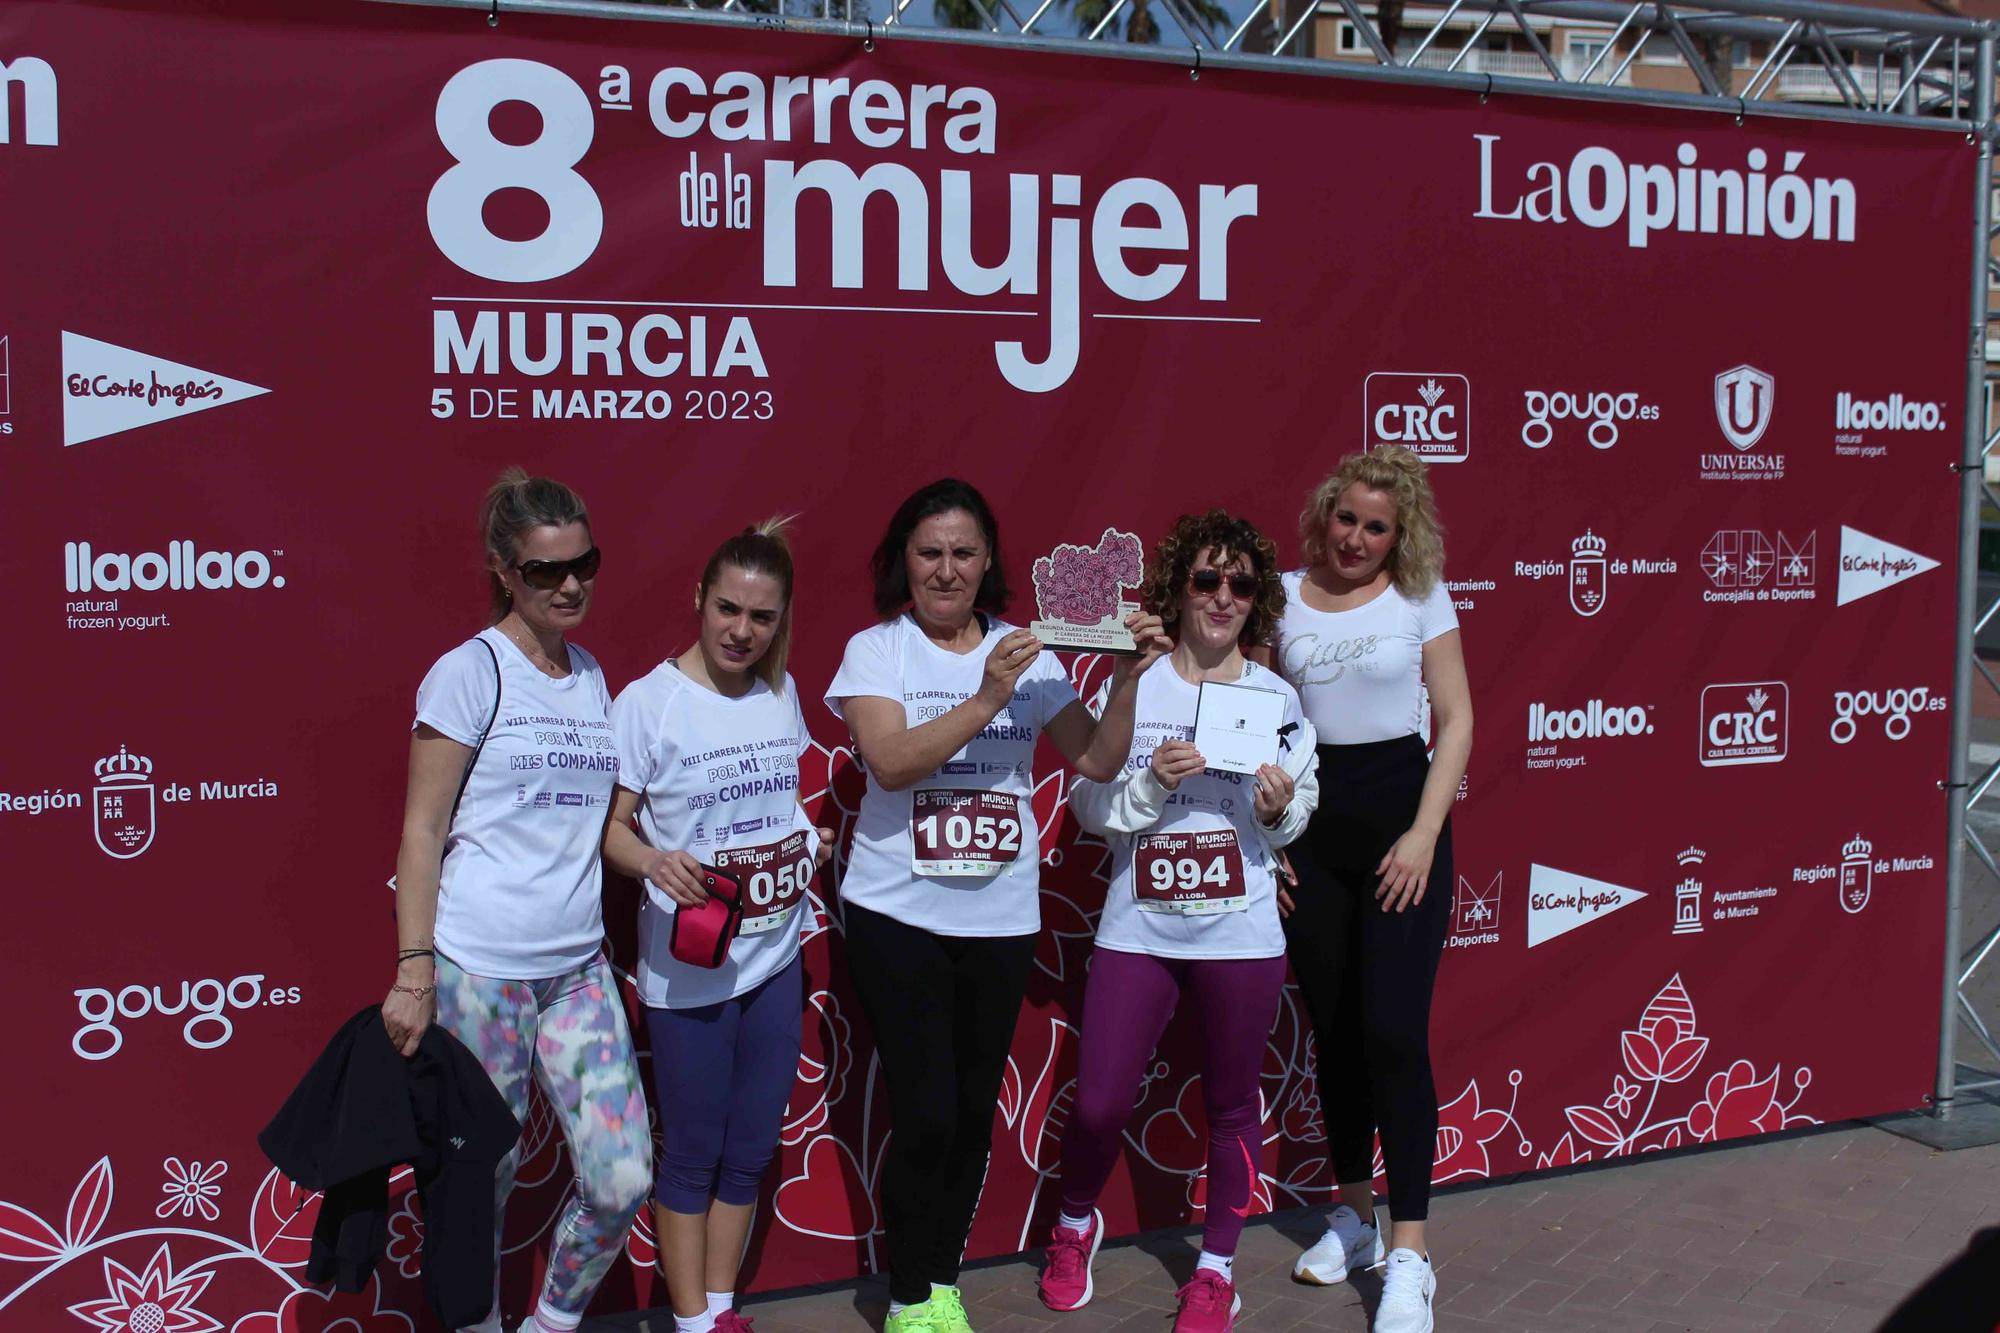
<point x="1077" y="594"/>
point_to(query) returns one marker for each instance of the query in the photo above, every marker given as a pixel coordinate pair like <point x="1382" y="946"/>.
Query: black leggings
<point x="943" y="1009"/>
<point x="1367" y="974"/>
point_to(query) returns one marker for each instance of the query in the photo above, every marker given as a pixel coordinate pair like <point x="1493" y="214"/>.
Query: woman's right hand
<point x="405" y="1014"/>
<point x="677" y="875"/>
<point x="1174" y="760"/>
<point x="1004" y="665"/>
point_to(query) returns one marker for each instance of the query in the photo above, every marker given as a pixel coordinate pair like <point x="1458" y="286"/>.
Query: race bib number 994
<point x="963" y="832"/>
<point x="1191" y="873"/>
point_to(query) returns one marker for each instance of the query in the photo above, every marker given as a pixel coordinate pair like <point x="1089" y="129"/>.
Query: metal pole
<point x="1970" y="478"/>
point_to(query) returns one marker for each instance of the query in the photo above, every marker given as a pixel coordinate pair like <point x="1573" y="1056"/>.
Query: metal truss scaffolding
<point x="1923" y="71"/>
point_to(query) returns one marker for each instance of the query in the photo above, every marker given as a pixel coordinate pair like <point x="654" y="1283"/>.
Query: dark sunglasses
<point x="549" y="574"/>
<point x="1208" y="581"/>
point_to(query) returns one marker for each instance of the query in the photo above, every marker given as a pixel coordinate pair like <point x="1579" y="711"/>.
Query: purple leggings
<point x="723" y="1073"/>
<point x="1126" y="1005"/>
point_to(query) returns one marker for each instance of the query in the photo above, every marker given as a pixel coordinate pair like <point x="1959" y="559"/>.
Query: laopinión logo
<point x="1427" y="412"/>
<point x="40" y="110"/>
<point x="1744" y="401"/>
<point x="1747" y="723"/>
<point x="1746" y="565"/>
<point x="207" y="1004"/>
<point x="181" y="567"/>
<point x="1893" y="706"/>
<point x="1856" y="418"/>
<point x="1598" y="412"/>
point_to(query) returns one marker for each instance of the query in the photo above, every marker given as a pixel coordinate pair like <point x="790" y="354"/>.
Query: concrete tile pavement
<point x="1822" y="1230"/>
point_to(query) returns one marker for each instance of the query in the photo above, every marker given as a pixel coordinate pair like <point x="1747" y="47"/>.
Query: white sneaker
<point x="1348" y="1246"/>
<point x="1407" y="1288"/>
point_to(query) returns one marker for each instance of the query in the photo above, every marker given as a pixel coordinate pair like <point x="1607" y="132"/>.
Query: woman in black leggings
<point x="941" y="900"/>
<point x="1370" y="641"/>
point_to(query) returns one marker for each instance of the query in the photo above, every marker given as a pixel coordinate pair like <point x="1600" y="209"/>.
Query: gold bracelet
<point x="418" y="991"/>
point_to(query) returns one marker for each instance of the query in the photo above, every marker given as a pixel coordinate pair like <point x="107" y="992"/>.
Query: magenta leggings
<point x="1126" y="1005"/>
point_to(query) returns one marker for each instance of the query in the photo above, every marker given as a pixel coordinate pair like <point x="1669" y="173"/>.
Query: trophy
<point x="1077" y="594"/>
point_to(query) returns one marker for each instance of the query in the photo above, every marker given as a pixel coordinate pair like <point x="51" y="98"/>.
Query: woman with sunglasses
<point x="941" y="899"/>
<point x="499" y="881"/>
<point x="1191" y="911"/>
<point x="709" y="743"/>
<point x="1370" y="639"/>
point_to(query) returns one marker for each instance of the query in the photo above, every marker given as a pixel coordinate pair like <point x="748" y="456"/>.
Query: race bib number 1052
<point x="963" y="832"/>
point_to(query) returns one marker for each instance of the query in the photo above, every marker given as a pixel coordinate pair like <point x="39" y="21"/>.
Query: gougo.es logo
<point x="207" y="1004"/>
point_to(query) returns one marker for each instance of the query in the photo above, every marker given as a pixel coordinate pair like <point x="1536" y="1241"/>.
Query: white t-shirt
<point x="719" y="778"/>
<point x="970" y="825"/>
<point x="1360" y="673"/>
<point x="1192" y="870"/>
<point x="520" y="894"/>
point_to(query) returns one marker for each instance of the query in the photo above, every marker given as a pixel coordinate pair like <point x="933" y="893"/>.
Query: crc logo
<point x="1892" y="706"/>
<point x="38" y="100"/>
<point x="206" y="1003"/>
<point x="1427" y="412"/>
<point x="1602" y="410"/>
<point x="1743" y="405"/>
<point x="1746" y="723"/>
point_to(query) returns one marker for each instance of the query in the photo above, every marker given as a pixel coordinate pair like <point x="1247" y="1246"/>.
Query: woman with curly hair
<point x="1370" y="639"/>
<point x="1192" y="907"/>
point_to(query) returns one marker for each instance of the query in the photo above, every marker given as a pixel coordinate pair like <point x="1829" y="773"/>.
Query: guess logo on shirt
<point x="956" y="832"/>
<point x="773" y="876"/>
<point x="1308" y="661"/>
<point x="1191" y="873"/>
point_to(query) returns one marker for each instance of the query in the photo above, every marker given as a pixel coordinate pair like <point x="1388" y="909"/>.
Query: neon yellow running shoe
<point x="948" y="1311"/>
<point x="919" y="1318"/>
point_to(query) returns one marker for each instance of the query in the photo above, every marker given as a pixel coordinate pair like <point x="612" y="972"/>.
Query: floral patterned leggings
<point x="568" y="1034"/>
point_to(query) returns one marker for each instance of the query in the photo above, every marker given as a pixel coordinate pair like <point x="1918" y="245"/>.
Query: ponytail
<point x="761" y="549"/>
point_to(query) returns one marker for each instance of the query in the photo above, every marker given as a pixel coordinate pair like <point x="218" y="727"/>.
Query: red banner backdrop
<point x="287" y="289"/>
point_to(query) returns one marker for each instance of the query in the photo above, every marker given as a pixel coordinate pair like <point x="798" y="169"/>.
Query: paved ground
<point x="1821" y="1230"/>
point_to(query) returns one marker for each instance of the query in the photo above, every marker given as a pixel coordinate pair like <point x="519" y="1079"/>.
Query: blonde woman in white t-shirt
<point x="940" y="900"/>
<point x="1370" y="641"/>
<point x="499" y="913"/>
<point x="709" y="743"/>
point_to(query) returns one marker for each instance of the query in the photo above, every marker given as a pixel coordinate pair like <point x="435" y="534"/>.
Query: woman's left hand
<point x="1274" y="793"/>
<point x="1405" y="869"/>
<point x="1150" y="633"/>
<point x="825" y="850"/>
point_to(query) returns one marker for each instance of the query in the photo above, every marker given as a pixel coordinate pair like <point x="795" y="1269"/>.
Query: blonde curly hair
<point x="1417" y="562"/>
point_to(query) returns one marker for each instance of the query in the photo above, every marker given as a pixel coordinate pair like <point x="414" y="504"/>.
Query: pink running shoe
<point x="731" y="1322"/>
<point x="1065" y="1282"/>
<point x="1208" y="1304"/>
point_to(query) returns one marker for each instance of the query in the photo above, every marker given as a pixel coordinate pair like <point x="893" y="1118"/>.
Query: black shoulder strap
<point x="492" y="717"/>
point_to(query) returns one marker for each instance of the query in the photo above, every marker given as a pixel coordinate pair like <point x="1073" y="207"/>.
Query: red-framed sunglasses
<point x="1208" y="582"/>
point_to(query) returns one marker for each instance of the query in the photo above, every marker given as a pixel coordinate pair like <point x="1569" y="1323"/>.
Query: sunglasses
<point x="551" y="574"/>
<point x="1208" y="582"/>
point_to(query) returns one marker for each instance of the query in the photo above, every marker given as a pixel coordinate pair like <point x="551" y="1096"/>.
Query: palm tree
<point x="1208" y="17"/>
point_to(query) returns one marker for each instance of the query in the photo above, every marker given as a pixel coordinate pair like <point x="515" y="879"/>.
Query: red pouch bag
<point x="701" y="936"/>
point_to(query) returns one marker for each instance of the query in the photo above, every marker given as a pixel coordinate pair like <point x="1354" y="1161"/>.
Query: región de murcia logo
<point x="1589" y="571"/>
<point x="1857" y="872"/>
<point x="122" y="804"/>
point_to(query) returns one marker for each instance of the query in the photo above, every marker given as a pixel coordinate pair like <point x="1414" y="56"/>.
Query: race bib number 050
<point x="963" y="832"/>
<point x="1190" y="873"/>
<point x="773" y="876"/>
